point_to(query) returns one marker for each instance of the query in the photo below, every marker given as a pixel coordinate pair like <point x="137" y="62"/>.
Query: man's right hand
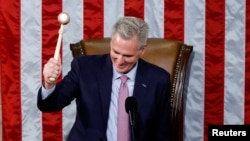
<point x="52" y="69"/>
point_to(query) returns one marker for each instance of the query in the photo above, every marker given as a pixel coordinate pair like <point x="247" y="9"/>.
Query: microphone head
<point x="131" y="104"/>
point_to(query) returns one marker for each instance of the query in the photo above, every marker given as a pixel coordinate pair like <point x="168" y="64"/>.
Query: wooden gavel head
<point x="63" y="18"/>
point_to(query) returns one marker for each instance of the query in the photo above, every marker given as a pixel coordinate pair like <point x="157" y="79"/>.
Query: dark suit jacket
<point x="89" y="82"/>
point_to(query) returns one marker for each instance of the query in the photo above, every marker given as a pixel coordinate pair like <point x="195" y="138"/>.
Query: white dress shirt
<point x="116" y="82"/>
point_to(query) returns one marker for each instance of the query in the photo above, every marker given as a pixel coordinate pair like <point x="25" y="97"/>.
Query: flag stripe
<point x="234" y="63"/>
<point x="214" y="63"/>
<point x="10" y="55"/>
<point x="73" y="32"/>
<point x="174" y="19"/>
<point x="112" y="14"/>
<point x="30" y="78"/>
<point x="134" y="8"/>
<point x="171" y="17"/>
<point x="52" y="122"/>
<point x="93" y="19"/>
<point x="195" y="35"/>
<point x="247" y="64"/>
<point x="154" y="15"/>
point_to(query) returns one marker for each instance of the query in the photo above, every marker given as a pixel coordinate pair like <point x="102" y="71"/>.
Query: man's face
<point x="124" y="53"/>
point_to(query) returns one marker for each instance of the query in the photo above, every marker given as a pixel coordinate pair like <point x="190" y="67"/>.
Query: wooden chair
<point x="172" y="55"/>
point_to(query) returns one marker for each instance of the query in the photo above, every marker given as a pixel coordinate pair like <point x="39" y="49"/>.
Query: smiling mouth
<point x="121" y="66"/>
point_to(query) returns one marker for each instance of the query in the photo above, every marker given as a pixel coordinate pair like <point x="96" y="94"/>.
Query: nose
<point x="120" y="59"/>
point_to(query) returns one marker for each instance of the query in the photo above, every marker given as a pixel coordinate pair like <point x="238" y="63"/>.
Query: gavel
<point x="63" y="19"/>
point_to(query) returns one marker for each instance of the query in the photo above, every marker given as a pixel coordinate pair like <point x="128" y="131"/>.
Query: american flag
<point x="218" y="89"/>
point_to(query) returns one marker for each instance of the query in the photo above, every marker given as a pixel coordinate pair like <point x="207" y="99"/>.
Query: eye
<point x="115" y="51"/>
<point x="128" y="56"/>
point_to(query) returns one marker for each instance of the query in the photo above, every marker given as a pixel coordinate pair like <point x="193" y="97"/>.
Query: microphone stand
<point x="131" y="109"/>
<point x="132" y="124"/>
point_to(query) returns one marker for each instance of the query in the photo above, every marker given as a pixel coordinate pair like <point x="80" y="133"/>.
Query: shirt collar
<point x="130" y="74"/>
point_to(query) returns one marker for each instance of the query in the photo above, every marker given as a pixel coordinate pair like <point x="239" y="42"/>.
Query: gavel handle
<point x="58" y="47"/>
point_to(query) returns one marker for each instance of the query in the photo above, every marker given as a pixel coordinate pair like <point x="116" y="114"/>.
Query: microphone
<point x="131" y="109"/>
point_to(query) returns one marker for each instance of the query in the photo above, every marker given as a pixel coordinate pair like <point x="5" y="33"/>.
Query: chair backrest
<point x="172" y="55"/>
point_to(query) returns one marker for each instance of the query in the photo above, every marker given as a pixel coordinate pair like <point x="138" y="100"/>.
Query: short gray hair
<point x="128" y="27"/>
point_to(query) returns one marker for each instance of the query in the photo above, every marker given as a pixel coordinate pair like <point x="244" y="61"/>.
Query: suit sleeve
<point x="164" y="113"/>
<point x="65" y="91"/>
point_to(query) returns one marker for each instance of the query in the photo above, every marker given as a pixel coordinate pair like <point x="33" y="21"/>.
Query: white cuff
<point x="47" y="92"/>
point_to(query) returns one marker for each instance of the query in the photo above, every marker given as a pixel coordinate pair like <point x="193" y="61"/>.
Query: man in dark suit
<point x="94" y="82"/>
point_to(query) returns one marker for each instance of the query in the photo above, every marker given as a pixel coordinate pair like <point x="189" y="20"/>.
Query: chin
<point x="121" y="70"/>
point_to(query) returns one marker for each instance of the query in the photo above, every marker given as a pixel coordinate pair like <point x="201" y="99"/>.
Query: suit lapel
<point x="105" y="83"/>
<point x="141" y="82"/>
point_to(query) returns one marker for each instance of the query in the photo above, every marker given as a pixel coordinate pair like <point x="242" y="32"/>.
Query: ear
<point x="143" y="49"/>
